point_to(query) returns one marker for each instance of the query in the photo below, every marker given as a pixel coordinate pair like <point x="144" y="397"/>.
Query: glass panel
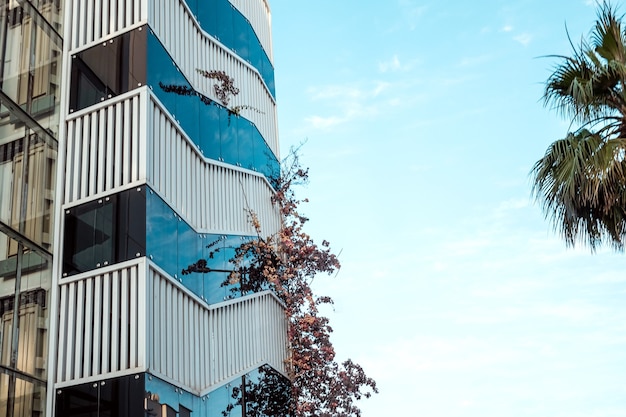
<point x="77" y="401"/>
<point x="162" y="234"/>
<point x="267" y="393"/>
<point x="189" y="252"/>
<point x="30" y="60"/>
<point x="207" y="15"/>
<point x="228" y="129"/>
<point x="219" y="403"/>
<point x="4" y="393"/>
<point x="106" y="231"/>
<point x="23" y="338"/>
<point x="210" y="141"/>
<point x="213" y="291"/>
<point x="131" y="225"/>
<point x="125" y="70"/>
<point x="159" y="393"/>
<point x="242" y="33"/>
<point x="89" y="238"/>
<point x="225" y="23"/>
<point x="188" y="115"/>
<point x="246" y="144"/>
<point x="24" y="398"/>
<point x="122" y="397"/>
<point x="27" y="158"/>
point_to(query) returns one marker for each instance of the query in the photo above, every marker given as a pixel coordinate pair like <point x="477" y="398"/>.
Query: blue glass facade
<point x="219" y="133"/>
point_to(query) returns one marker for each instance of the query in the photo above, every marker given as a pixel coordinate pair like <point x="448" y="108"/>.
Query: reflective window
<point x="30" y="49"/>
<point x="261" y="393"/>
<point x="105" y="231"/>
<point x="117" y="397"/>
<point x="27" y="173"/>
<point x="125" y="69"/>
<point x="174" y="245"/>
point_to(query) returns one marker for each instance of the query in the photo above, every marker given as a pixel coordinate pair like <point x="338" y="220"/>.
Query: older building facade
<point x="136" y="135"/>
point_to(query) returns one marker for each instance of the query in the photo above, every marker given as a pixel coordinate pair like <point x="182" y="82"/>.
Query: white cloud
<point x="524" y="39"/>
<point x="347" y="103"/>
<point x="392" y="65"/>
<point x="507" y="28"/>
<point x="319" y="122"/>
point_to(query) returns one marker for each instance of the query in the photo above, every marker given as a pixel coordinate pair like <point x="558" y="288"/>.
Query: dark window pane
<point x="122" y="397"/>
<point x="132" y="220"/>
<point x="78" y="401"/>
<point x="124" y="69"/>
<point x="106" y="231"/>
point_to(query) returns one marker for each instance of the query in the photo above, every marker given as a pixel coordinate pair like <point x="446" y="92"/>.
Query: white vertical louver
<point x="93" y="20"/>
<point x="103" y="150"/>
<point x="123" y="320"/>
<point x="102" y="323"/>
<point x="205" y="346"/>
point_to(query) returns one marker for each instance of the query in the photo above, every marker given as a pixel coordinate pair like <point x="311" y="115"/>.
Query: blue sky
<point x="422" y="121"/>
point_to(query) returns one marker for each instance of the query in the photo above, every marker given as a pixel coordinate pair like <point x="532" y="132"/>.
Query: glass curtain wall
<point x="30" y="50"/>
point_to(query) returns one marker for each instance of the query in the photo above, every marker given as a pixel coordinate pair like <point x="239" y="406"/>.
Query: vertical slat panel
<point x="76" y="168"/>
<point x="110" y="147"/>
<point x="180" y="335"/>
<point x="119" y="149"/>
<point x="141" y="133"/>
<point x="71" y="333"/>
<point x="97" y="19"/>
<point x="113" y="16"/>
<point x="69" y="167"/>
<point x="115" y="317"/>
<point x="63" y="337"/>
<point x="160" y="327"/>
<point x="106" y="323"/>
<point x="88" y="343"/>
<point x="97" y="326"/>
<point x="93" y="154"/>
<point x="186" y="356"/>
<point x="89" y="20"/>
<point x="124" y="322"/>
<point x="126" y="141"/>
<point x="171" y="343"/>
<point x="106" y="19"/>
<point x="101" y="150"/>
<point x="137" y="314"/>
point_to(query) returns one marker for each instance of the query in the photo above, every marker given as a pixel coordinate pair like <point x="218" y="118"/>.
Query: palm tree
<point x="581" y="180"/>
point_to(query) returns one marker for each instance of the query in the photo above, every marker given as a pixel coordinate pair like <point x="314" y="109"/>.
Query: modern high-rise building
<point x="135" y="136"/>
